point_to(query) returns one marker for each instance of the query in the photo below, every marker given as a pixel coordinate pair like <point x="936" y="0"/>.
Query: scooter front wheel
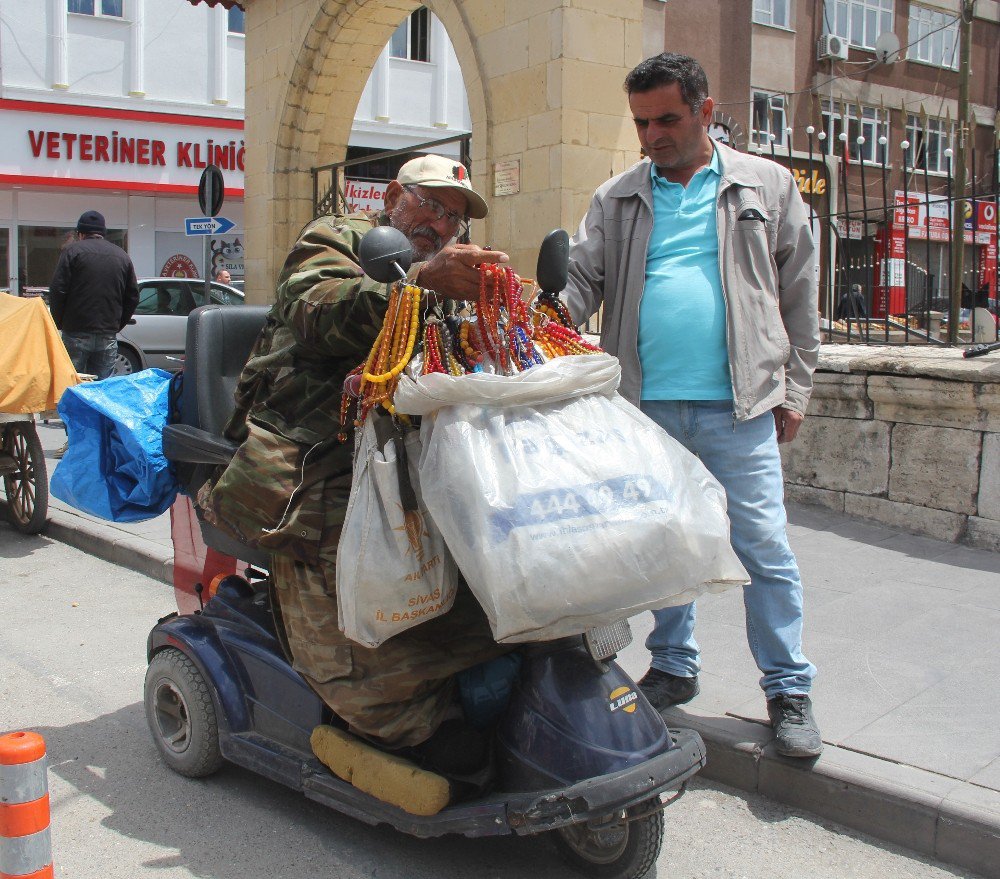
<point x="181" y="715"/>
<point x="624" y="845"/>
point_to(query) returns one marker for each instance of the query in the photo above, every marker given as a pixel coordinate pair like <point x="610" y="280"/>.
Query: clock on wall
<point x="727" y="130"/>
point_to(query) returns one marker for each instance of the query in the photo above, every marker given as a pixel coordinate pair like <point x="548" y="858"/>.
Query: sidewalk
<point x="906" y="634"/>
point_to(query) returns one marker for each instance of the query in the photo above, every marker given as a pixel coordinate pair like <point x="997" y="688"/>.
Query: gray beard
<point x="419" y="253"/>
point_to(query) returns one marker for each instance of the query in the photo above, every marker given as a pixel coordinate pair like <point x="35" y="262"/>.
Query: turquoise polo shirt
<point x="682" y="315"/>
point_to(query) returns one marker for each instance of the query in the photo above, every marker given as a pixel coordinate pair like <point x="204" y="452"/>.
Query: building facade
<point x="119" y="105"/>
<point x="860" y="98"/>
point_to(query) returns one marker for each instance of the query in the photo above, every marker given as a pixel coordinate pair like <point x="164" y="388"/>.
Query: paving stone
<point x="863" y="689"/>
<point x="986" y="595"/>
<point x="951" y="638"/>
<point x="939" y="573"/>
<point x="948" y="728"/>
<point x="872" y="615"/>
<point x="988" y="776"/>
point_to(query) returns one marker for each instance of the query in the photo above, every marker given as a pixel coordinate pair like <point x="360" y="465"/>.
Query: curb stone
<point x="132" y="552"/>
<point x="940" y="817"/>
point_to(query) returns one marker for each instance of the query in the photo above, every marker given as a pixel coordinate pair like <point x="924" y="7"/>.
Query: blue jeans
<point x="744" y="457"/>
<point x="92" y="353"/>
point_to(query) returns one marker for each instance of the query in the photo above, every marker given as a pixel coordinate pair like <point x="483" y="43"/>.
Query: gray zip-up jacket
<point x="768" y="269"/>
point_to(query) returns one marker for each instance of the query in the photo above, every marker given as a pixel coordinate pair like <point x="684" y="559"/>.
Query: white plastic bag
<point x="393" y="567"/>
<point x="568" y="514"/>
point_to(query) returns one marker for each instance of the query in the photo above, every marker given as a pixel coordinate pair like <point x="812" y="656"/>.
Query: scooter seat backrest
<point x="218" y="344"/>
<point x="219" y="339"/>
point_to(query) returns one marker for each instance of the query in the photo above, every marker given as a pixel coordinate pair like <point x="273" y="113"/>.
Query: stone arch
<point x="543" y="79"/>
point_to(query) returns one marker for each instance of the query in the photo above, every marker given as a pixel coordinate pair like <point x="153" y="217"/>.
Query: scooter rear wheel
<point x="619" y="846"/>
<point x="181" y="715"/>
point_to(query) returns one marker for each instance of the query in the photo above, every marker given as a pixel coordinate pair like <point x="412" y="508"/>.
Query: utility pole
<point x="958" y="205"/>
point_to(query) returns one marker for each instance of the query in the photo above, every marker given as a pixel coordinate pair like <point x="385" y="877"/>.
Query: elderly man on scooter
<point x="287" y="488"/>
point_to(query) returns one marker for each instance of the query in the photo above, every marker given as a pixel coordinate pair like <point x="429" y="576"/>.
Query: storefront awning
<point x="229" y="4"/>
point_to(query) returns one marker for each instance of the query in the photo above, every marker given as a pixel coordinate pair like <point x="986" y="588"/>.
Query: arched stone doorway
<point x="543" y="79"/>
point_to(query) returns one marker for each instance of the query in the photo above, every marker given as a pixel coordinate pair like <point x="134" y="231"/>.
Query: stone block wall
<point x="907" y="436"/>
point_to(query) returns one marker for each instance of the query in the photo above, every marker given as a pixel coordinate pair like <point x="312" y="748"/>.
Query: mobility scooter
<point x="579" y="752"/>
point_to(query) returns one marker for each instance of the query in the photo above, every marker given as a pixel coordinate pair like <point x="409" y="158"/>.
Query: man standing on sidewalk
<point x="92" y="296"/>
<point x="705" y="263"/>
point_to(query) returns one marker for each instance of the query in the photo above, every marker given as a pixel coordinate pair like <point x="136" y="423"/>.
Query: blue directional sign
<point x="207" y="225"/>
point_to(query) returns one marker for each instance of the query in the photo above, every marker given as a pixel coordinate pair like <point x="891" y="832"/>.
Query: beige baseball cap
<point x="438" y="171"/>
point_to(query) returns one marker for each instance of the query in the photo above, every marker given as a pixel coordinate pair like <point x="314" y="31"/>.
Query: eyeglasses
<point x="438" y="210"/>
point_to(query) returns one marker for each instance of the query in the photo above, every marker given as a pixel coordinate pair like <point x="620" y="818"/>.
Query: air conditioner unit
<point x="831" y="46"/>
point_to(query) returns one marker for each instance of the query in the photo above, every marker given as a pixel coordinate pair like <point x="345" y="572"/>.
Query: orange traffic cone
<point x="25" y="846"/>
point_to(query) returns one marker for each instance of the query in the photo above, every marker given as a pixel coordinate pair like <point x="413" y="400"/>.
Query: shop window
<point x="871" y="123"/>
<point x="39" y="248"/>
<point x="237" y="20"/>
<point x="111" y="8"/>
<point x="858" y="21"/>
<point x="768" y="119"/>
<point x="933" y="37"/>
<point x="412" y="38"/>
<point x="929" y="137"/>
<point x="774" y="12"/>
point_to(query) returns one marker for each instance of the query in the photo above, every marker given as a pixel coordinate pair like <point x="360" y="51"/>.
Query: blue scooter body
<point x="576" y="741"/>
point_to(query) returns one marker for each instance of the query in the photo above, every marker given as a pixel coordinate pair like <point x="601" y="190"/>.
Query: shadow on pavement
<point x="236" y="824"/>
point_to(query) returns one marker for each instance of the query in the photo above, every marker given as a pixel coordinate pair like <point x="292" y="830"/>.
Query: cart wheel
<point x="619" y="846"/>
<point x="27" y="487"/>
<point x="181" y="715"/>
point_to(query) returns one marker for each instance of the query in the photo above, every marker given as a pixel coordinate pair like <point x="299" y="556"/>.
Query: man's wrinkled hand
<point x="452" y="272"/>
<point x="787" y="423"/>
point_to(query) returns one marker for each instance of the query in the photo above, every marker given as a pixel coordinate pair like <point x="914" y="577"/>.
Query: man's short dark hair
<point x="667" y="68"/>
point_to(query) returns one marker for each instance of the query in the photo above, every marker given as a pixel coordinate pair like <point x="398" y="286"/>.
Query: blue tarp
<point x="114" y="467"/>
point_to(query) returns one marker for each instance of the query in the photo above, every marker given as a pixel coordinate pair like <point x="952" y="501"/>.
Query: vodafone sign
<point x="66" y="145"/>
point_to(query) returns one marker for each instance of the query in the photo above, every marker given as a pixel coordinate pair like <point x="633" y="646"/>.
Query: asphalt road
<point x="72" y="659"/>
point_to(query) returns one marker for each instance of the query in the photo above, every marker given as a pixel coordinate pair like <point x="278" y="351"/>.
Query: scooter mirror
<point x="553" y="262"/>
<point x="385" y="254"/>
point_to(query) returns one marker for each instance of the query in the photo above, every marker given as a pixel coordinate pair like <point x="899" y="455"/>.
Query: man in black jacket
<point x="92" y="296"/>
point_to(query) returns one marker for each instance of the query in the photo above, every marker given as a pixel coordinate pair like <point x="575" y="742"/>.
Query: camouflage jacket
<point x="324" y="321"/>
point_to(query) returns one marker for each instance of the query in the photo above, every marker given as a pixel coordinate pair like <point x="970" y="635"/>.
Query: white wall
<point x="407" y="102"/>
<point x="170" y="49"/>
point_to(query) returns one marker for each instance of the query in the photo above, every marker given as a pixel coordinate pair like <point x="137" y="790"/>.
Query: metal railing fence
<point x="329" y="189"/>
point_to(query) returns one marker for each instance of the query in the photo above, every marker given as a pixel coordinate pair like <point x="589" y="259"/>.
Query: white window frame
<point x="405" y="31"/>
<point x="933" y="37"/>
<point x="938" y="136"/>
<point x="776" y="110"/>
<point x="99" y="11"/>
<point x="764" y="13"/>
<point x="871" y="123"/>
<point x="858" y="21"/>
